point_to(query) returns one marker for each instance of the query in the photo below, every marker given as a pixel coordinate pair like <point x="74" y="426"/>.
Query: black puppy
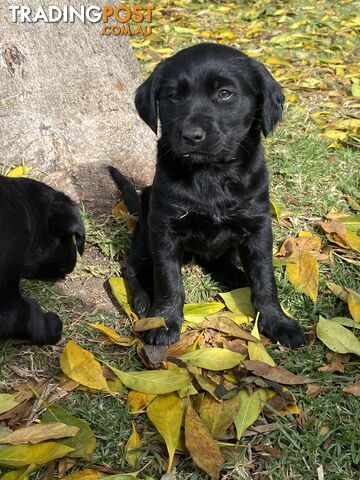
<point x="210" y="194"/>
<point x="40" y="232"/>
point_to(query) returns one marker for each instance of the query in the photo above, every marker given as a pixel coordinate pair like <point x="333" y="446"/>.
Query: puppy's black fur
<point x="210" y="194"/>
<point x="40" y="232"/>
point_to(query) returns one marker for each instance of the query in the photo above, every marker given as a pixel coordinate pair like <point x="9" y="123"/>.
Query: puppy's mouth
<point x="199" y="156"/>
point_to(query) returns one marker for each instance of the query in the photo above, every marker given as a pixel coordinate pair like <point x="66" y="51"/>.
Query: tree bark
<point x="67" y="105"/>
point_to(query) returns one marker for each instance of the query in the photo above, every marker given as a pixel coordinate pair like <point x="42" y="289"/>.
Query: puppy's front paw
<point x="141" y="302"/>
<point x="164" y="336"/>
<point x="49" y="330"/>
<point x="280" y="328"/>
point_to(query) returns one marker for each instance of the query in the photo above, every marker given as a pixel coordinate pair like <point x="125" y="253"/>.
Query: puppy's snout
<point x="193" y="135"/>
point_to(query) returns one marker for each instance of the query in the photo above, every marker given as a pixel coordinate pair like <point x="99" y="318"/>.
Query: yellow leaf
<point x="166" y="413"/>
<point x="336" y="337"/>
<point x="133" y="442"/>
<point x="19" y="474"/>
<point x="250" y="409"/>
<point x="202" y="308"/>
<point x="218" y="415"/>
<point x="8" y="401"/>
<point x="119" y="290"/>
<point x="20" y="171"/>
<point x="275" y="209"/>
<point x="39" y="433"/>
<point x="155" y="382"/>
<point x="81" y="366"/>
<point x="338" y="291"/>
<point x="201" y="446"/>
<point x="138" y="401"/>
<point x="40" y="454"/>
<point x="334" y="134"/>
<point x="354" y="304"/>
<point x="113" y="336"/>
<point x="120" y="212"/>
<point x="275" y="60"/>
<point x="355" y="90"/>
<point x="87" y="474"/>
<point x="239" y="301"/>
<point x="149" y="323"/>
<point x="257" y="351"/>
<point x="304" y="274"/>
<point x="213" y="358"/>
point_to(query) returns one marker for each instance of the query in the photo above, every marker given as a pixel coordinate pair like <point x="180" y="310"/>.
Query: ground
<point x="310" y="48"/>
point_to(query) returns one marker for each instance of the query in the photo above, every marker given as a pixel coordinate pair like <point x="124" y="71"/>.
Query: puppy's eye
<point x="224" y="94"/>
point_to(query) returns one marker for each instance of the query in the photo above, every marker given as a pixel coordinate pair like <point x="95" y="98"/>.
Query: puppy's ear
<point x="146" y="98"/>
<point x="272" y="100"/>
<point x="65" y="221"/>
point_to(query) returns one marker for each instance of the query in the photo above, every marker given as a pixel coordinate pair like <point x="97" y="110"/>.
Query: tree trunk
<point x="67" y="105"/>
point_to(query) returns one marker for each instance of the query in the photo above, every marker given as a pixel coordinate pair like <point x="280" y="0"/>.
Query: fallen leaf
<point x="8" y="401"/>
<point x="336" y="362"/>
<point x="120" y="292"/>
<point x="347" y="322"/>
<point x="121" y="212"/>
<point x="40" y="454"/>
<point x="131" y="454"/>
<point x="336" y="337"/>
<point x="304" y="274"/>
<point x="353" y="388"/>
<point x="20" y="171"/>
<point x="112" y="335"/>
<point x="201" y="445"/>
<point x="166" y="413"/>
<point x="257" y="351"/>
<point x="84" y="442"/>
<point x="218" y="415"/>
<point x="138" y="401"/>
<point x="251" y="406"/>
<point x="186" y="340"/>
<point x="87" y="474"/>
<point x="338" y="291"/>
<point x="149" y="323"/>
<point x="212" y="358"/>
<point x="39" y="433"/>
<point x="275" y="374"/>
<point x="228" y="326"/>
<point x="273" y="452"/>
<point x="202" y="308"/>
<point x="337" y="233"/>
<point x="313" y="390"/>
<point x="239" y="301"/>
<point x="156" y="382"/>
<point x="81" y="366"/>
<point x="354" y="304"/>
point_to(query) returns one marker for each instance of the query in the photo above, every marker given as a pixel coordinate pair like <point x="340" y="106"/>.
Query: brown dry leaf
<point x="201" y="446"/>
<point x="120" y="212"/>
<point x="179" y="348"/>
<point x="354" y="388"/>
<point x="149" y="324"/>
<point x="82" y="367"/>
<point x="336" y="362"/>
<point x="275" y="374"/>
<point x="138" y="401"/>
<point x="39" y="433"/>
<point x="235" y="345"/>
<point x="218" y="416"/>
<point x="313" y="390"/>
<point x="310" y="243"/>
<point x="337" y="233"/>
<point x="226" y="325"/>
<point x="273" y="452"/>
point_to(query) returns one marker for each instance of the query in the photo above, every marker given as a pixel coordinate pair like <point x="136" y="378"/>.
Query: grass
<point x="308" y="178"/>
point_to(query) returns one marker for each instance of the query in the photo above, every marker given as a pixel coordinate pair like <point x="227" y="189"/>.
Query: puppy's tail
<point x="130" y="196"/>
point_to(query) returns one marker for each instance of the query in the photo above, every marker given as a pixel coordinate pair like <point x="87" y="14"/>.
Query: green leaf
<point x="250" y="409"/>
<point x="336" y="337"/>
<point x="84" y="442"/>
<point x="347" y="322"/>
<point x="8" y="401"/>
<point x="156" y="382"/>
<point x="166" y="413"/>
<point x="213" y="358"/>
<point x="239" y="301"/>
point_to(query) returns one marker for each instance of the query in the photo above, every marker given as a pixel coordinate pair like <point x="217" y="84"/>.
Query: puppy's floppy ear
<point x="65" y="220"/>
<point x="272" y="99"/>
<point x="146" y="98"/>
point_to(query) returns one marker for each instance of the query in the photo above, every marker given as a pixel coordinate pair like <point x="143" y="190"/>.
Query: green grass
<point x="308" y="178"/>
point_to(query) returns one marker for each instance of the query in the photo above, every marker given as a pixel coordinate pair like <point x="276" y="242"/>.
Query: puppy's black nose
<point x="193" y="135"/>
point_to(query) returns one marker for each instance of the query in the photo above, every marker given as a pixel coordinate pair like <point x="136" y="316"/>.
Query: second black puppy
<point x="40" y="232"/>
<point x="210" y="194"/>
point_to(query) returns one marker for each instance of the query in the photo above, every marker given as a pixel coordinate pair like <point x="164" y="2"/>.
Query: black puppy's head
<point x="209" y="98"/>
<point x="60" y="236"/>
